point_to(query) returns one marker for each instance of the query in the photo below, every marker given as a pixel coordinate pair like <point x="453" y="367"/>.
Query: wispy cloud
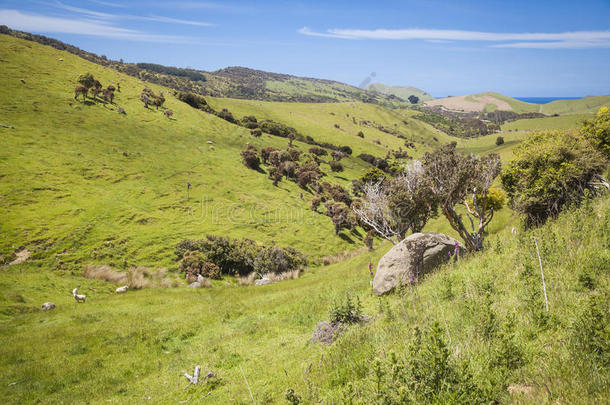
<point x="564" y="40"/>
<point x="153" y="18"/>
<point x="108" y="4"/>
<point x="45" y="24"/>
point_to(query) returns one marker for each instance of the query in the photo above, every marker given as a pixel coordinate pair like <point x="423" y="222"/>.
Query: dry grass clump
<point x="340" y="257"/>
<point x="105" y="273"/>
<point x="274" y="277"/>
<point x="136" y="277"/>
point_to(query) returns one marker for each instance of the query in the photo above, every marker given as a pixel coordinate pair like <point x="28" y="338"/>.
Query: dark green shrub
<point x="250" y="157"/>
<point x="360" y="134"/>
<point x="499" y="141"/>
<point x="256" y="132"/>
<point x="194" y="100"/>
<point x="346" y="311"/>
<point x="87" y="80"/>
<point x="318" y="151"/>
<point x="227" y="116"/>
<point x="275" y="259"/>
<point x="249" y="121"/>
<point x="335" y="166"/>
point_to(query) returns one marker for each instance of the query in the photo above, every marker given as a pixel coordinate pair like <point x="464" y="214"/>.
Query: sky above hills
<point x="518" y="48"/>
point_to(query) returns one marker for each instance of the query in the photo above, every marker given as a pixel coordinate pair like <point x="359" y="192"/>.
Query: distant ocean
<point x="544" y="100"/>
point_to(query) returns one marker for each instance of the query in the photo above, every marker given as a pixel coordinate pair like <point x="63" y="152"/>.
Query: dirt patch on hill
<point x="469" y="103"/>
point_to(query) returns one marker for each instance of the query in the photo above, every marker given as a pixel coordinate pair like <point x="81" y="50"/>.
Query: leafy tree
<point x="87" y="80"/>
<point x="413" y="99"/>
<point x="550" y="171"/>
<point x="394" y="206"/>
<point x="453" y="178"/>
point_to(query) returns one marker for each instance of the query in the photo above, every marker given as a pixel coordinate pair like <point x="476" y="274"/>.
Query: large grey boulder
<point x="415" y="256"/>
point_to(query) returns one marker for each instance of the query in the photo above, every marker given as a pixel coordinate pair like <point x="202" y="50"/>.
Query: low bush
<point x="346" y="311"/>
<point x="250" y="157"/>
<point x="335" y="166"/>
<point x="239" y="256"/>
<point x="499" y="141"/>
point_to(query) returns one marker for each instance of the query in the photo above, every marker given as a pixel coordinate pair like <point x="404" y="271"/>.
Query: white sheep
<point x="121" y="290"/>
<point x="78" y="297"/>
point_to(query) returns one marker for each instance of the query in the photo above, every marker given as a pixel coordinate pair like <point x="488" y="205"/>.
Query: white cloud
<point x="154" y="18"/>
<point x="575" y="39"/>
<point x="44" y="24"/>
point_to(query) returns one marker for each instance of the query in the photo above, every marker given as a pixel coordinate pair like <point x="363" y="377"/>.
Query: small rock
<point x="22" y="256"/>
<point x="210" y="142"/>
<point x="47" y="306"/>
<point x="263" y="281"/>
<point x="196" y="284"/>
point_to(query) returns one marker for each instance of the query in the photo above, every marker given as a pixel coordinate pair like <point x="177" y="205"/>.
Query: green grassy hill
<point x="570" y="121"/>
<point x="117" y="183"/>
<point x="581" y="106"/>
<point x="400" y="91"/>
<point x="81" y="183"/>
<point x="490" y="101"/>
<point x="235" y="81"/>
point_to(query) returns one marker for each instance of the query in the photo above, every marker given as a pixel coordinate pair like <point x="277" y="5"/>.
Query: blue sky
<point x="518" y="48"/>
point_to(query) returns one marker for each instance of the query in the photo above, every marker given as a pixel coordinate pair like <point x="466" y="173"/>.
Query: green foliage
<point x="277" y="260"/>
<point x="240" y="256"/>
<point x="590" y="336"/>
<point x="194" y="100"/>
<point x="597" y="131"/>
<point x="550" y="171"/>
<point x="500" y="141"/>
<point x="346" y="311"/>
<point x="87" y="80"/>
<point x="292" y="397"/>
<point x="335" y="166"/>
<point x="373" y="175"/>
<point x="173" y="71"/>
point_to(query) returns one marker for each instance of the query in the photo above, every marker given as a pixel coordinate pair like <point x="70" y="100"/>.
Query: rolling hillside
<point x="82" y="183"/>
<point x="490" y="101"/>
<point x="400" y="91"/>
<point x="234" y="82"/>
<point x="118" y="182"/>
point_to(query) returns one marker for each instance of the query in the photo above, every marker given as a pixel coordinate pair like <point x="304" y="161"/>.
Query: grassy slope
<point x="131" y="347"/>
<point x="571" y="121"/>
<point x="400" y="91"/>
<point x="581" y="106"/>
<point x="82" y="182"/>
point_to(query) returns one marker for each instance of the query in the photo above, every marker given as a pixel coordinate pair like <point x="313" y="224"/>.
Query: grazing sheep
<point x="47" y="306"/>
<point x="122" y="290"/>
<point x="78" y="297"/>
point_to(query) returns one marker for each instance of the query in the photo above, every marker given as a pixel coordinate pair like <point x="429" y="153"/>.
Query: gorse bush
<point x="550" y="171"/>
<point x="597" y="131"/>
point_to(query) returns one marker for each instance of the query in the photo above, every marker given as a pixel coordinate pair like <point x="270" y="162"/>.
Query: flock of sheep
<point x="79" y="297"/>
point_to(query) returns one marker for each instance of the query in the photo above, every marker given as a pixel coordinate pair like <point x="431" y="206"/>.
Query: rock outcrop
<point x="412" y="258"/>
